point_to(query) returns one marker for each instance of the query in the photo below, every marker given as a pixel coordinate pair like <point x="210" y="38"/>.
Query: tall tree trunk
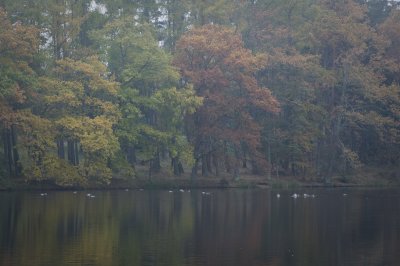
<point x="71" y="152"/>
<point x="277" y="169"/>
<point x="208" y="163"/>
<point x="155" y="163"/>
<point x="215" y="162"/>
<point x="8" y="151"/>
<point x="175" y="166"/>
<point x="226" y="157"/>
<point x="60" y="149"/>
<point x="76" y="149"/>
<point x="131" y="155"/>
<point x="236" y="173"/>
<point x="317" y="158"/>
<point x="269" y="158"/>
<point x="227" y="164"/>
<point x="204" y="171"/>
<point x="150" y="168"/>
<point x="17" y="167"/>
<point x="255" y="169"/>
<point x="3" y="137"/>
<point x="180" y="166"/>
<point x="244" y="161"/>
<point x="194" y="168"/>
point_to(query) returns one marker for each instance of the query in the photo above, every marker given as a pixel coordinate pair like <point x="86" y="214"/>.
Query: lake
<point x="220" y="227"/>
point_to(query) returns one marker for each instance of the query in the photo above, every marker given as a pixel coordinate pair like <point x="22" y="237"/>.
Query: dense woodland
<point x="96" y="90"/>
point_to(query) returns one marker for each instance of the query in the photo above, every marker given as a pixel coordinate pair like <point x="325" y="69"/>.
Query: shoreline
<point x="197" y="183"/>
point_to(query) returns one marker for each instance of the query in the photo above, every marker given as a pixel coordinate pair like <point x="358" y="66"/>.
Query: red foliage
<point x="214" y="60"/>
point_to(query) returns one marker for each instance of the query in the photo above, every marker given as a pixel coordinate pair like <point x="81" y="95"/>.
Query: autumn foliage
<point x="214" y="59"/>
<point x="91" y="93"/>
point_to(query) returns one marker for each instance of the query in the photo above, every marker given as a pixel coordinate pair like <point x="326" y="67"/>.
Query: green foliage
<point x="37" y="136"/>
<point x="91" y="116"/>
<point x="121" y="168"/>
<point x="60" y="172"/>
<point x="91" y="93"/>
<point x="95" y="135"/>
<point x="152" y="116"/>
<point x="97" y="172"/>
<point x="173" y="105"/>
<point x="134" y="56"/>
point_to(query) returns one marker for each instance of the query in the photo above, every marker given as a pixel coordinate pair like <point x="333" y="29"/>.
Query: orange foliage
<point x="214" y="60"/>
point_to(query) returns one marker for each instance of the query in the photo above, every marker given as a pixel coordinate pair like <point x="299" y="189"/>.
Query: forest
<point x="93" y="91"/>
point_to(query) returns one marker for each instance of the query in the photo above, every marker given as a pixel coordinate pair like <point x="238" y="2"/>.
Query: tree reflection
<point x="227" y="227"/>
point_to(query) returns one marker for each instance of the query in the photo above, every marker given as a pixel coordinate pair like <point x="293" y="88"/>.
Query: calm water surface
<point x="226" y="227"/>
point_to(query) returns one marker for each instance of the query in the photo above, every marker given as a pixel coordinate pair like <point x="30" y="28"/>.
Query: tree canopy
<point x="92" y="91"/>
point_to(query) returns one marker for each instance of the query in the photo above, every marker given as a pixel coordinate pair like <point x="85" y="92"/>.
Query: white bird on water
<point x="278" y="195"/>
<point x="43" y="194"/>
<point x="295" y="196"/>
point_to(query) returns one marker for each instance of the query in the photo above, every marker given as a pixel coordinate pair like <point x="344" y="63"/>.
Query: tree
<point x="351" y="87"/>
<point x="18" y="45"/>
<point x="390" y="32"/>
<point x="275" y="28"/>
<point x="323" y="61"/>
<point x="177" y="22"/>
<point x="221" y="70"/>
<point x="90" y="89"/>
<point x="81" y="102"/>
<point x="379" y="10"/>
<point x="150" y="104"/>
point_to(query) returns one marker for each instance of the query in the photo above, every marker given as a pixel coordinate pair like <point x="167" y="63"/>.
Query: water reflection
<point x="227" y="227"/>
